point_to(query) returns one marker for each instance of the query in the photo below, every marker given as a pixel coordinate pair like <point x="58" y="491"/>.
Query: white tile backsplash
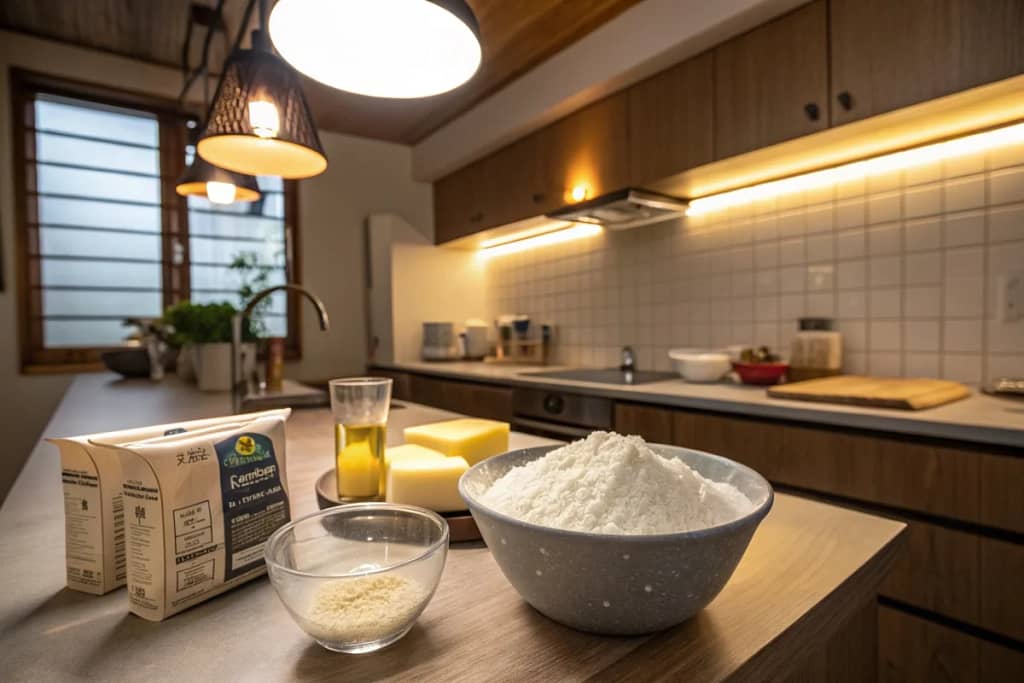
<point x="908" y="264"/>
<point x="962" y="336"/>
<point x="883" y="208"/>
<point x="924" y="200"/>
<point x="922" y="233"/>
<point x="1006" y="186"/>
<point x="1006" y="223"/>
<point x="964" y="193"/>
<point x="884" y="271"/>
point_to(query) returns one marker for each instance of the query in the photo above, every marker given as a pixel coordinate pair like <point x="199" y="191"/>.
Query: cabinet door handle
<point x="845" y="100"/>
<point x="538" y="197"/>
<point x="476" y="217"/>
<point x="812" y="111"/>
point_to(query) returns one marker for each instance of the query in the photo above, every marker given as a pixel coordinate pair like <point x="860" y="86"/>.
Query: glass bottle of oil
<point x="359" y="451"/>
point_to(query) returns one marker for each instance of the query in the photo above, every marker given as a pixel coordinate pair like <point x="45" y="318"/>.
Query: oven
<point x="559" y="415"/>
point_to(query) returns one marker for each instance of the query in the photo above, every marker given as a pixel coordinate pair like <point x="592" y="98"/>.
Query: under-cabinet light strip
<point x="542" y="229"/>
<point x="887" y="163"/>
<point x="573" y="232"/>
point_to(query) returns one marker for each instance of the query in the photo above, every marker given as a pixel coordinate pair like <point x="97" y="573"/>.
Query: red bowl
<point x="761" y="373"/>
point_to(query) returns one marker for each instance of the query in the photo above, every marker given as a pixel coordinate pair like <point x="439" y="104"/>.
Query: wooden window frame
<point x="175" y="274"/>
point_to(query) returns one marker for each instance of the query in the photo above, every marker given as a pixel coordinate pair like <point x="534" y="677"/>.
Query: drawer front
<point x="915" y="649"/>
<point x="927" y="478"/>
<point x="938" y="570"/>
<point x="652" y="423"/>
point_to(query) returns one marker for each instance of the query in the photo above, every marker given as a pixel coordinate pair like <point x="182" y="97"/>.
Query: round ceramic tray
<point x="461" y="525"/>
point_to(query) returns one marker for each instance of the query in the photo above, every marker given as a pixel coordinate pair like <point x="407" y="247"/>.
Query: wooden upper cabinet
<point x="588" y="146"/>
<point x="459" y="203"/>
<point x="771" y="84"/>
<point x="670" y="121"/>
<point x="887" y="55"/>
<point x="448" y="206"/>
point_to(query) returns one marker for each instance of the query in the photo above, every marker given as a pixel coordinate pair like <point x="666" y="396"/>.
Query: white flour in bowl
<point x="614" y="484"/>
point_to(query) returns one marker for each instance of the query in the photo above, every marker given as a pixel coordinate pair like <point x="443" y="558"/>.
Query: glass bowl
<point x="356" y="577"/>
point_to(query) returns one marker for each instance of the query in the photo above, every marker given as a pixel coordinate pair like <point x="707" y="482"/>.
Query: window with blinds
<point x="97" y="221"/>
<point x="104" y="237"/>
<point x="241" y="244"/>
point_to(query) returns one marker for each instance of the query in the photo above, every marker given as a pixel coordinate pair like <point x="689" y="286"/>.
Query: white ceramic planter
<point x="186" y="369"/>
<point x="213" y="366"/>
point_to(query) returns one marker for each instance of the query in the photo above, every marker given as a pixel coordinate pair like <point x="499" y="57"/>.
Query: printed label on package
<point x="255" y="503"/>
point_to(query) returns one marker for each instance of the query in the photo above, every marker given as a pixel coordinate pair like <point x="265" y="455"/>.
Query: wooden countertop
<point x="809" y="567"/>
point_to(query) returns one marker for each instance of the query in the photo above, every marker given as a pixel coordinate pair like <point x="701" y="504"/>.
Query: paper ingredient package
<point x="93" y="506"/>
<point x="199" y="507"/>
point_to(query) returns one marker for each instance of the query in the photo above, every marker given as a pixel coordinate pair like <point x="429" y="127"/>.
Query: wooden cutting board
<point x="880" y="392"/>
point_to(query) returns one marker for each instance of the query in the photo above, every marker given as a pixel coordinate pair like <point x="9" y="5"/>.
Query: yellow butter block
<point x="472" y="438"/>
<point x="409" y="451"/>
<point x="428" y="483"/>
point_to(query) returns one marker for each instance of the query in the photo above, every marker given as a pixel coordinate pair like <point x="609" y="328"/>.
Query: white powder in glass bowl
<point x="364" y="609"/>
<point x="614" y="484"/>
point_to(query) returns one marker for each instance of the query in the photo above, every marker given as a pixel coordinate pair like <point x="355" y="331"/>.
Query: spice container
<point x="816" y="350"/>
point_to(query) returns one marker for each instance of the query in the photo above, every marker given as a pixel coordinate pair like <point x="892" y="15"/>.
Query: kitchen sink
<point x="605" y="375"/>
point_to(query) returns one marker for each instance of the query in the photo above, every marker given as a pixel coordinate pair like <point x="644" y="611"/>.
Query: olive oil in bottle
<point x="359" y="451"/>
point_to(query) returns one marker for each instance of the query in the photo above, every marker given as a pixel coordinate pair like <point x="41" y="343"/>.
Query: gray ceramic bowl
<point x="616" y="584"/>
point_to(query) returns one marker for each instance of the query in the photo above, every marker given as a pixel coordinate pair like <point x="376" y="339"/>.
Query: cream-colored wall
<point x="431" y="284"/>
<point x="364" y="176"/>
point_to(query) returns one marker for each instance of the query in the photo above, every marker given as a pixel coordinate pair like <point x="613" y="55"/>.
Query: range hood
<point x="622" y="209"/>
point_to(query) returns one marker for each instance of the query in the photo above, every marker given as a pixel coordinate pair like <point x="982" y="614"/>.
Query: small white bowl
<point x="700" y="365"/>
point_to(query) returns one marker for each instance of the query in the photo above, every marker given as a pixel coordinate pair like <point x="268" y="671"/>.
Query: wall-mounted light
<point x="260" y="122"/>
<point x="886" y="163"/>
<point x="579" y="192"/>
<point x="381" y="48"/>
<point x="516" y="244"/>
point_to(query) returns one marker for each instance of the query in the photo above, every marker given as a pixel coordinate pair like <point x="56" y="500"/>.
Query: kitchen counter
<point x="980" y="418"/>
<point x="809" y="569"/>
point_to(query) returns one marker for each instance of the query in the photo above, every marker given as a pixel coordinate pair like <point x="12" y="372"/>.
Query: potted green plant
<point x="206" y="330"/>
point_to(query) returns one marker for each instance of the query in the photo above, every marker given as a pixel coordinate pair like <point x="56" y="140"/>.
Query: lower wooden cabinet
<point x="401" y="383"/>
<point x="938" y="570"/>
<point x="842" y="659"/>
<point x="962" y="560"/>
<point x="468" y="398"/>
<point x="650" y="422"/>
<point x="912" y="649"/>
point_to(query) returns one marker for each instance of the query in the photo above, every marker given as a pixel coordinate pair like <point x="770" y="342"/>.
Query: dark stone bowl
<point x="617" y="584"/>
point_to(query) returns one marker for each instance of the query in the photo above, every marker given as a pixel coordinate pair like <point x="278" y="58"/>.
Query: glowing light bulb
<point x="220" y="193"/>
<point x="579" y="192"/>
<point x="264" y="119"/>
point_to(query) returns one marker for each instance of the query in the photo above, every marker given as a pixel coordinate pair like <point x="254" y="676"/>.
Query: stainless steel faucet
<point x="240" y="383"/>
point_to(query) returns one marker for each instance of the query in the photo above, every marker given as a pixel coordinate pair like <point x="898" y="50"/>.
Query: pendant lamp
<point x="260" y="123"/>
<point x="381" y="48"/>
<point x="203" y="179"/>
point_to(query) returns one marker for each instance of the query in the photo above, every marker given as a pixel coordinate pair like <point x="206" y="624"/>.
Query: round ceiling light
<point x="381" y="48"/>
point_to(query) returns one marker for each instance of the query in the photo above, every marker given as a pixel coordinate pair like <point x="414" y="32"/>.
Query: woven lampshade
<point x="193" y="181"/>
<point x="274" y="136"/>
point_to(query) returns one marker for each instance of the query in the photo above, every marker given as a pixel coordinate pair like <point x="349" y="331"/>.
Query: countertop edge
<point x="911" y="423"/>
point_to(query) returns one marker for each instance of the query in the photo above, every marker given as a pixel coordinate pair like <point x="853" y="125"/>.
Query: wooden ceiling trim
<point x="516" y="34"/>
